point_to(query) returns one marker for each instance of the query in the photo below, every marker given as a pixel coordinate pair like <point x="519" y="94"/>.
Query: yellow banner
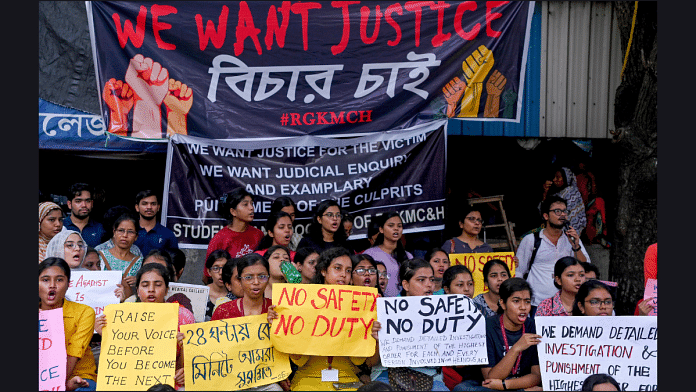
<point x="475" y="262"/>
<point x="138" y="346"/>
<point x="324" y="320"/>
<point x="238" y="348"/>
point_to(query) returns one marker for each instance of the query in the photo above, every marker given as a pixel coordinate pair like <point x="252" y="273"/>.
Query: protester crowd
<point x="554" y="276"/>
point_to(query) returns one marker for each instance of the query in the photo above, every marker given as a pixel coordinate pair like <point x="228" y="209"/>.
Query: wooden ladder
<point x="508" y="226"/>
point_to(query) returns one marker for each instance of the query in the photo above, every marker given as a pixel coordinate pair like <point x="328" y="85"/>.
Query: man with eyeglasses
<point x="557" y="240"/>
<point x="80" y="203"/>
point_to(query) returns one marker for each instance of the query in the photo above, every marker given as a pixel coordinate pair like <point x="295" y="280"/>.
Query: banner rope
<point x="630" y="39"/>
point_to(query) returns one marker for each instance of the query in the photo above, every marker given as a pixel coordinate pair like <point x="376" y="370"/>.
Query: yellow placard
<point x="475" y="262"/>
<point x="232" y="354"/>
<point x="138" y="346"/>
<point x="324" y="320"/>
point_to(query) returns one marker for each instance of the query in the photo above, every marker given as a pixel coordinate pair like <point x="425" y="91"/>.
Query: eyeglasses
<point x="595" y="302"/>
<point x="472" y="219"/>
<point x="365" y="271"/>
<point x="331" y="215"/>
<point x="559" y="211"/>
<point x="216" y="268"/>
<point x="249" y="278"/>
<point x="75" y="245"/>
<point x="384" y="274"/>
<point x="126" y="232"/>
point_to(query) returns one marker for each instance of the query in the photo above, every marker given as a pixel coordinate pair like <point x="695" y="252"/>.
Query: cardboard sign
<point x="651" y="292"/>
<point x="324" y="320"/>
<point x="573" y="348"/>
<point x="138" y="346"/>
<point x="94" y="289"/>
<point x="440" y="330"/>
<point x="475" y="262"/>
<point x="232" y="354"/>
<point x="52" y="354"/>
<point x="197" y="294"/>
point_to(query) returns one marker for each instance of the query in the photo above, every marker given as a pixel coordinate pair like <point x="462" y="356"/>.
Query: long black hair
<point x="357" y="258"/>
<point x="272" y="220"/>
<point x="511" y="286"/>
<point x="325" y="259"/>
<point x="400" y="252"/>
<point x="584" y="292"/>
<point x="314" y="231"/>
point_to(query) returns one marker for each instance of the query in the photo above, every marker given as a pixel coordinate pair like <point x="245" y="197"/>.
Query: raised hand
<point x="453" y="91"/>
<point x="494" y="87"/>
<point x="119" y="98"/>
<point x="178" y="101"/>
<point x="148" y="80"/>
<point x="476" y="67"/>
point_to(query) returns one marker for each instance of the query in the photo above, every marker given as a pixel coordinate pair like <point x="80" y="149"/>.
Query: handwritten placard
<point x="651" y="292"/>
<point x="475" y="262"/>
<point x="325" y="320"/>
<point x="138" y="346"/>
<point x="94" y="289"/>
<point x="197" y="294"/>
<point x="440" y="330"/>
<point x="52" y="354"/>
<point x="232" y="352"/>
<point x="573" y="348"/>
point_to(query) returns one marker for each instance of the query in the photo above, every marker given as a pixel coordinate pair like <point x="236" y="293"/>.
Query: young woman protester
<point x="233" y="285"/>
<point x="217" y="289"/>
<point x="91" y="261"/>
<point x="417" y="279"/>
<point x="50" y="224"/>
<point x="152" y="283"/>
<point x="281" y="269"/>
<point x="495" y="272"/>
<point x="325" y="230"/>
<point x="286" y="204"/>
<point x="69" y="246"/>
<point x="334" y="267"/>
<point x="471" y="224"/>
<point x="78" y="322"/>
<point x="439" y="259"/>
<point x="120" y="257"/>
<point x="457" y="279"/>
<point x="511" y="339"/>
<point x="305" y="262"/>
<point x="593" y="299"/>
<point x="239" y="237"/>
<point x="382" y="276"/>
<point x="278" y="232"/>
<point x="365" y="272"/>
<point x="253" y="274"/>
<point x="389" y="250"/>
<point x="568" y="276"/>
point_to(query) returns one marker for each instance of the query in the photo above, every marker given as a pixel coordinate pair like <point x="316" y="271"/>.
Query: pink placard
<point x="52" y="355"/>
<point x="650" y="292"/>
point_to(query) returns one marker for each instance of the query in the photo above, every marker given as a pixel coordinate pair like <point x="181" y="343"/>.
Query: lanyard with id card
<point x="329" y="375"/>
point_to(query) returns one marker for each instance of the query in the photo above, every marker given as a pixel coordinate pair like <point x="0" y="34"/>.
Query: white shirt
<point x="541" y="276"/>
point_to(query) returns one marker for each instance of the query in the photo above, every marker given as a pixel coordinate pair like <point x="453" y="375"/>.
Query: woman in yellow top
<point x="333" y="267"/>
<point x="78" y="322"/>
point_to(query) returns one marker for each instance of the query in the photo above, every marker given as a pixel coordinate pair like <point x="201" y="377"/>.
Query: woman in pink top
<point x="389" y="250"/>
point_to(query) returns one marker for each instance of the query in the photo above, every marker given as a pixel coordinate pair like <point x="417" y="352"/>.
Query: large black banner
<point x="285" y="68"/>
<point x="400" y="171"/>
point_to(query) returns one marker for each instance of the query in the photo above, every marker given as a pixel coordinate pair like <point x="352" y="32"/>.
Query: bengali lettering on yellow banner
<point x="324" y="320"/>
<point x="232" y="354"/>
<point x="138" y="347"/>
<point x="475" y="262"/>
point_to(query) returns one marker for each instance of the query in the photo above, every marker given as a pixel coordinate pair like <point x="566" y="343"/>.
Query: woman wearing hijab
<point x="564" y="184"/>
<point x="50" y="224"/>
<point x="69" y="246"/>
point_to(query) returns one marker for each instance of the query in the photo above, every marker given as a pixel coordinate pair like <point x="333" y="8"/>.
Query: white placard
<point x="198" y="294"/>
<point x="94" y="288"/>
<point x="436" y="330"/>
<point x="573" y="348"/>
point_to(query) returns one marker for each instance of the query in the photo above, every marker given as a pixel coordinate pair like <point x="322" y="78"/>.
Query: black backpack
<point x="537" y="244"/>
